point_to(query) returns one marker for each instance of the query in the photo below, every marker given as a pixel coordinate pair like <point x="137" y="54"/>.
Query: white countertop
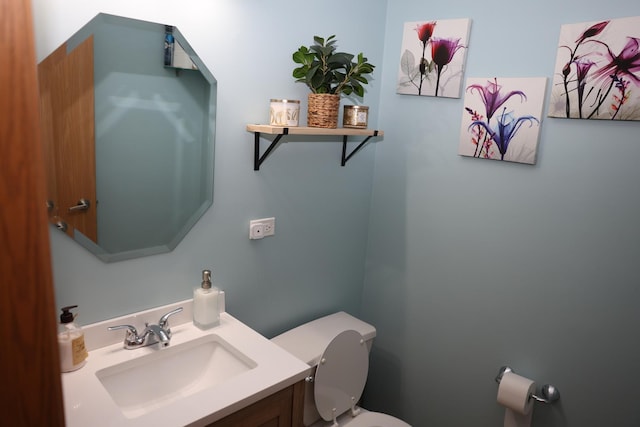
<point x="87" y="402"/>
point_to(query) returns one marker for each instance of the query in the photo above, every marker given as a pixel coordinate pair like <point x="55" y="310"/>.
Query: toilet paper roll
<point x="514" y="393"/>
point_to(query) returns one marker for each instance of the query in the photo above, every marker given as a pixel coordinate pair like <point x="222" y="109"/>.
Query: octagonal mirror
<point x="128" y="121"/>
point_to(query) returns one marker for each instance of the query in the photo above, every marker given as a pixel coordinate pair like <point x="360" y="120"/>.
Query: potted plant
<point x="329" y="74"/>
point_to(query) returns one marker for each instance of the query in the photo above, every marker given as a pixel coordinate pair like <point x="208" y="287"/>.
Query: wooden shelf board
<point x="303" y="130"/>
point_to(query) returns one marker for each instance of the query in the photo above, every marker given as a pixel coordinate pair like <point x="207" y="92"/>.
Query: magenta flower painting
<point x="597" y="72"/>
<point x="433" y="57"/>
<point x="501" y="118"/>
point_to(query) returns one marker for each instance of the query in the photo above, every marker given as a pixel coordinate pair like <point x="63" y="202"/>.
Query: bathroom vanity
<point x="228" y="375"/>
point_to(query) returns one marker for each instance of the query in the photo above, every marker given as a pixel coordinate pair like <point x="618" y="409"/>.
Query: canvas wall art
<point x="501" y="118"/>
<point x="433" y="57"/>
<point x="597" y="71"/>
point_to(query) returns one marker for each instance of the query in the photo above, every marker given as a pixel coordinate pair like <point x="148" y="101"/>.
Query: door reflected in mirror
<point x="128" y="120"/>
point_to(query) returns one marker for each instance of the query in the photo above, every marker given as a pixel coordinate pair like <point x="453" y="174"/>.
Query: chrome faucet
<point x="152" y="334"/>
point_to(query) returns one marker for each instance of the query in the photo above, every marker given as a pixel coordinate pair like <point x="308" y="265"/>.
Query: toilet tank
<point x="308" y="341"/>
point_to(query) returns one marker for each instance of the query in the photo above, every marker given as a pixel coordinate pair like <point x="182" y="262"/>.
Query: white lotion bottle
<point x="73" y="353"/>
<point x="206" y="303"/>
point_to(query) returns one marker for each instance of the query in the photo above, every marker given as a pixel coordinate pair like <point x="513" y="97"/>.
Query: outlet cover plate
<point x="259" y="228"/>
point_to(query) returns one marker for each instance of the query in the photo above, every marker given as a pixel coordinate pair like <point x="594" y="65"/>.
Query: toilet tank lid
<point x="308" y="341"/>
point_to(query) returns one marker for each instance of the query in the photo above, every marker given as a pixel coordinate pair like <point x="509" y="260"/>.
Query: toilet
<point x="337" y="348"/>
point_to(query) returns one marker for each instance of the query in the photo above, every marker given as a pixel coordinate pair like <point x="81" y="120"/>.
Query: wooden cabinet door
<point x="272" y="411"/>
<point x="281" y="409"/>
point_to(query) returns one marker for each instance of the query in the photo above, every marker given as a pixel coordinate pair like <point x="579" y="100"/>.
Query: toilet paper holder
<point x="549" y="393"/>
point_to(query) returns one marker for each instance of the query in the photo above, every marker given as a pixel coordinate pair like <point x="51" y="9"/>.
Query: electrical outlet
<point x="259" y="228"/>
<point x="269" y="226"/>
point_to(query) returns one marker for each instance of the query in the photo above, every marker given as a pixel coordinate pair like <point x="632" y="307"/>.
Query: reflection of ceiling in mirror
<point x="154" y="133"/>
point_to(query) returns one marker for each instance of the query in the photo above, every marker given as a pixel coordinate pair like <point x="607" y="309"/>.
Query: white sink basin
<point x="160" y="378"/>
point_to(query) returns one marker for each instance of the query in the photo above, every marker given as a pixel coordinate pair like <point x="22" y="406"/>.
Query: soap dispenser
<point x="73" y="353"/>
<point x="206" y="303"/>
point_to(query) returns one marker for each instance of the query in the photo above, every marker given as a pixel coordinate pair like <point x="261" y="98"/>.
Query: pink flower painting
<point x="597" y="73"/>
<point x="433" y="57"/>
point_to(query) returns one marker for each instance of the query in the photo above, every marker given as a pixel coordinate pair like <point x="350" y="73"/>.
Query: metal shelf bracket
<point x="346" y="157"/>
<point x="258" y="158"/>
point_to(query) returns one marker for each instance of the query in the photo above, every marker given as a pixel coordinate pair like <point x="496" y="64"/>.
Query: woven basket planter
<point x="322" y="110"/>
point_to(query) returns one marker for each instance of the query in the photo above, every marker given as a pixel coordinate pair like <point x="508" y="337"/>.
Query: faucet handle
<point x="164" y="320"/>
<point x="131" y="338"/>
<point x="130" y="329"/>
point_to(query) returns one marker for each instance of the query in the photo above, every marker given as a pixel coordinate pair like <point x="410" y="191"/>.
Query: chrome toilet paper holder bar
<point x="549" y="393"/>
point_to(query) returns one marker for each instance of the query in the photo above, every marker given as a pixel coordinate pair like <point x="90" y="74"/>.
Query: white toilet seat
<point x="374" y="419"/>
<point x="339" y="382"/>
<point x="366" y="419"/>
<point x="341" y="375"/>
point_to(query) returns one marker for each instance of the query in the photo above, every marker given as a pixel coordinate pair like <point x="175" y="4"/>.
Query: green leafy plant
<point x="324" y="70"/>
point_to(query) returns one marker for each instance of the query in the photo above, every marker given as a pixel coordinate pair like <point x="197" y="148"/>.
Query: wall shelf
<point x="280" y="131"/>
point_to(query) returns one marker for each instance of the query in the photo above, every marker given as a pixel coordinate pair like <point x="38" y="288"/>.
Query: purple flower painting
<point x="433" y="57"/>
<point x="597" y="74"/>
<point x="501" y="118"/>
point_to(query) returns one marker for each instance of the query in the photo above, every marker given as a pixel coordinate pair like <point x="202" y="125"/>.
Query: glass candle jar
<point x="284" y="112"/>
<point x="355" y="116"/>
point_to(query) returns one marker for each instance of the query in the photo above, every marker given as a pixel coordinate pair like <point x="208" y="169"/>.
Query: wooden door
<point x="30" y="391"/>
<point x="68" y="134"/>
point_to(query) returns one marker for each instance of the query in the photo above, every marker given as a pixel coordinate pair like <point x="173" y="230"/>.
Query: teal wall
<point x="475" y="264"/>
<point x="545" y="282"/>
